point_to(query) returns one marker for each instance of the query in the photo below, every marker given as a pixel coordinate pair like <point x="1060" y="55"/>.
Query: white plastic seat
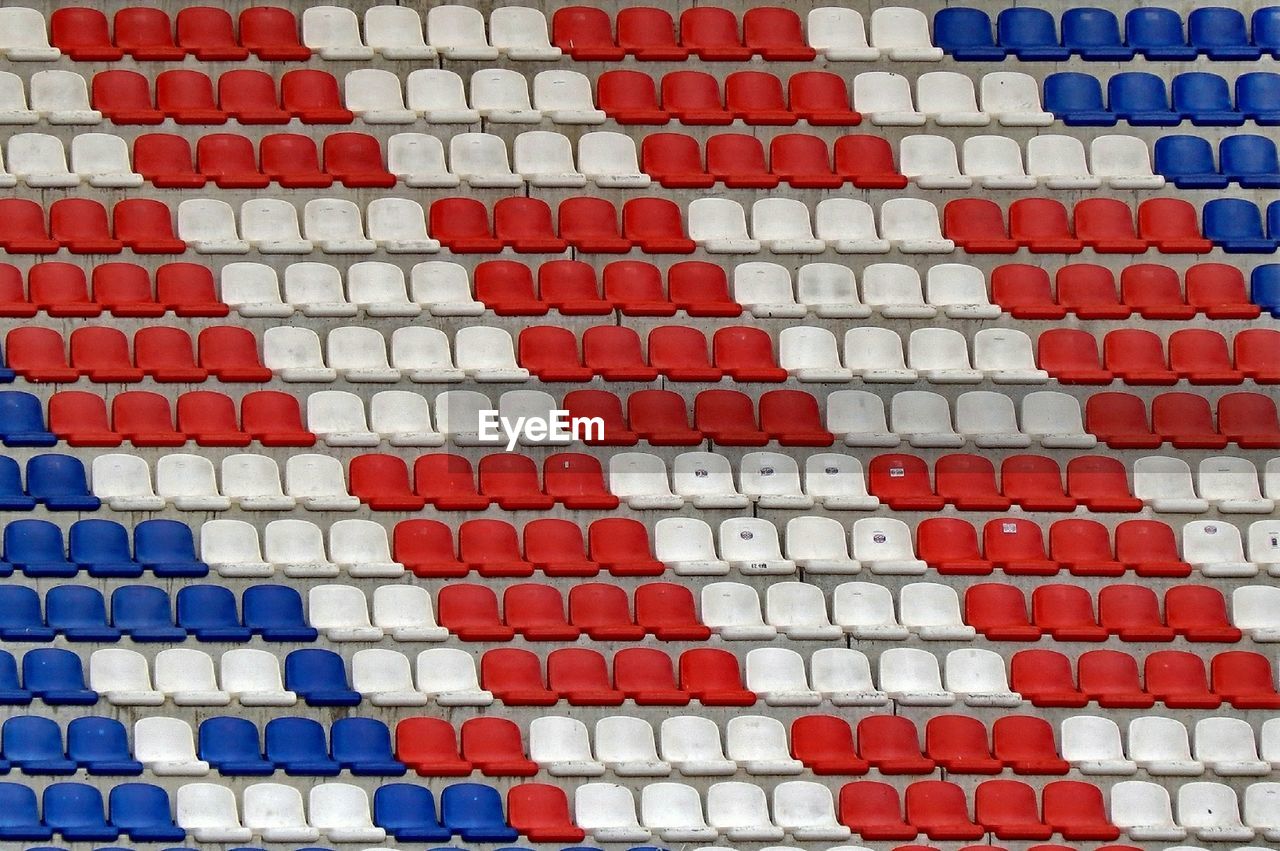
<point x="1013" y="99"/>
<point x="782" y="226"/>
<point x="609" y="160"/>
<point x="607" y="812"/>
<point x="911" y="677"/>
<point x="839" y="35"/>
<point x="341" y="812"/>
<point x="673" y="812"/>
<point x="902" y="34"/>
<point x="208" y="813"/>
<point x="13" y="95"/>
<point x="457" y="32"/>
<point x="186" y="677"/>
<point x="62" y="97"/>
<point x="1215" y="549"/>
<point x="843" y="677"/>
<point x="422" y="355"/>
<point x="1160" y="746"/>
<point x="810" y="354"/>
<point x="123" y="482"/>
<point x="705" y="480"/>
<point x="1164" y="483"/>
<point x="1005" y="356"/>
<point x="395" y="32"/>
<point x="480" y="159"/>
<point x="848" y="226"/>
<point x="399" y="226"/>
<point x="274" y="812"/>
<point x="123" y="678"/>
<point x="23" y="37"/>
<point x="39" y="161"/>
<point x="402" y="418"/>
<point x="167" y="747"/>
<point x="1142" y="810"/>
<point x="231" y="548"/>
<point x="297" y="548"/>
<point x="894" y="291"/>
<point x="932" y="612"/>
<point x="315" y="289"/>
<point x="772" y="480"/>
<point x="375" y="96"/>
<point x="487" y="354"/>
<point x="1211" y="812"/>
<point x="252" y="289"/>
<point x="1054" y="420"/>
<point x="359" y="355"/>
<point x="417" y="159"/>
<point x="438" y="95"/>
<point x="405" y="613"/>
<point x="836" y="482"/>
<point x="1227" y="748"/>
<point x="531" y="403"/>
<point x="252" y="482"/>
<point x="858" y="416"/>
<point x="545" y="158"/>
<point x="864" y="610"/>
<point x="995" y="162"/>
<point x="977" y="676"/>
<point x="209" y="227"/>
<point x="759" y="744"/>
<point x="807" y="812"/>
<point x="565" y="97"/>
<point x="341" y="613"/>
<point x="384" y="678"/>
<point x="626" y="745"/>
<point x="1262" y="809"/>
<point x="941" y="355"/>
<point x="253" y="678"/>
<point x="1255" y="609"/>
<point x="501" y="96"/>
<point x="270" y="225"/>
<point x="1123" y="162"/>
<point x="1091" y="743"/>
<point x="799" y="611"/>
<point x="948" y="99"/>
<point x="829" y="290"/>
<point x="188" y="483"/>
<point x="884" y="545"/>
<point x="379" y="290"/>
<point x="778" y="676"/>
<point x="334" y="33"/>
<point x="875" y="355"/>
<point x="1271" y="479"/>
<point x="1231" y="486"/>
<point x="923" y="419"/>
<point x="449" y="676"/>
<point x="336" y="226"/>
<point x="640" y="480"/>
<point x="960" y="291"/>
<point x="1264" y="546"/>
<point x="732" y="611"/>
<point x="318" y="483"/>
<point x="520" y="33"/>
<point x="719" y="225"/>
<point x="686" y="545"/>
<point x="443" y="289"/>
<point x="751" y="545"/>
<point x="100" y="159"/>
<point x="764" y="289"/>
<point x="692" y="745"/>
<point x="1058" y="162"/>
<point x="458" y="416"/>
<point x="562" y="746"/>
<point x="885" y="99"/>
<point x="988" y="419"/>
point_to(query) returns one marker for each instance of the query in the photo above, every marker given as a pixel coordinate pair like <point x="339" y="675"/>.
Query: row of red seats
<point x="248" y="96"/>
<point x="676" y="352"/>
<point x="738" y="161"/>
<point x="205" y="32"/>
<point x="290" y="159"/>
<point x="819" y="98"/>
<point x="122" y="289"/>
<point x="709" y="33"/>
<point x="1184" y="420"/>
<point x="1138" y="357"/>
<point x="80" y="225"/>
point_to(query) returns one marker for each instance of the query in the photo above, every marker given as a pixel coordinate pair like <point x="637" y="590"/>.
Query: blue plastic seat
<point x="1141" y="99"/>
<point x="1250" y="160"/>
<point x="101" y="746"/>
<point x="231" y="745"/>
<point x="363" y="747"/>
<point x="12" y="693"/>
<point x="408" y="813"/>
<point x="20" y="617"/>
<point x="7" y="375"/>
<point x="22" y="420"/>
<point x="965" y="34"/>
<point x="1157" y="34"/>
<point x="143" y="613"/>
<point x="78" y="613"/>
<point x="59" y="483"/>
<point x="473" y="811"/>
<point x="34" y="745"/>
<point x="1258" y="97"/>
<point x="319" y="677"/>
<point x="1094" y="34"/>
<point x="1266" y="30"/>
<point x="1205" y="99"/>
<point x="1235" y="225"/>
<point x="1273" y="221"/>
<point x="166" y="548"/>
<point x="141" y="810"/>
<point x="75" y="810"/>
<point x="209" y="613"/>
<point x="1264" y="288"/>
<point x="20" y="814"/>
<point x="1076" y="99"/>
<point x="102" y="547"/>
<point x="13" y="497"/>
<point x="35" y="547"/>
<point x="299" y="746"/>
<point x="274" y="612"/>
<point x="1221" y="33"/>
<point x="1187" y="161"/>
<point x="1029" y="34"/>
<point x="55" y="676"/>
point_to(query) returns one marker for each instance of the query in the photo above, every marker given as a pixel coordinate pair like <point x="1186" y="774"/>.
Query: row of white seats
<point x="332" y="225"/>
<point x="1052" y="162"/>
<point x="1229" y="485"/>
<point x="56" y="97"/>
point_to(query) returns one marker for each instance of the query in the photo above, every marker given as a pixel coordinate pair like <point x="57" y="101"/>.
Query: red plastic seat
<point x="1120" y="420"/>
<point x="635" y="288"/>
<point x="712" y="35"/>
<point x="186" y="97"/>
<point x="102" y="354"/>
<point x="614" y="353"/>
<point x="539" y="811"/>
<point x="891" y="743"/>
<point x="940" y="811"/>
<point x="292" y="160"/>
<point x="1219" y="292"/>
<point x="471" y="613"/>
<point x="1066" y="613"/>
<point x="462" y="226"/>
<point x="576" y="481"/>
<point x="1041" y="224"/>
<point x="552" y="354"/>
<point x="680" y="354"/>
<point x="165" y="160"/>
<point x="667" y="612"/>
<point x="746" y="354"/>
<point x="591" y="225"/>
<point x="711" y="676"/>
<point x="1257" y="354"/>
<point x="146" y="34"/>
<point x="1010" y="810"/>
<point x="382" y="483"/>
<point x="803" y="161"/>
<point x="24" y="228"/>
<point x="776" y="34"/>
<point x="1132" y="612"/>
<point x="273" y="418"/>
<point x="661" y="418"/>
<point x="999" y="612"/>
<point x="874" y="811"/>
<point x="700" y="288"/>
<point x="208" y="34"/>
<point x="585" y="33"/>
<point x="645" y="675"/>
<point x="630" y="97"/>
<point x="867" y="162"/>
<point x="144" y="419"/>
<point x="80" y="419"/>
<point x="1084" y="548"/>
<point x="1071" y="356"/>
<point x="1045" y="678"/>
<point x="693" y="97"/>
<point x="490" y="547"/>
<point x="1250" y="420"/>
<point x="145" y="226"/>
<point x="165" y="354"/>
<point x="1034" y="482"/>
<point x="607" y="408"/>
<point x="1089" y="291"/>
<point x="824" y="743"/>
<point x="1111" y="678"/>
<point x="1016" y="546"/>
<point x="655" y="225"/>
<point x="271" y="33"/>
<point x="13" y="297"/>
<point x="1101" y="483"/>
<point x="210" y="419"/>
<point x="820" y="97"/>
<point x="1023" y="291"/>
<point x="727" y="417"/>
<point x="515" y="677"/>
<point x="82" y="34"/>
<point x="425" y="547"/>
<point x="902" y="483"/>
<point x="80" y="225"/>
<point x="1137" y="356"/>
<point x="39" y="355"/>
<point x="1076" y="810"/>
<point x="621" y="546"/>
<point x="525" y="225"/>
<point x="511" y="480"/>
<point x="556" y="547"/>
<point x="231" y="354"/>
<point x="537" y="612"/>
<point x="1172" y="225"/>
<point x="581" y="676"/>
<point x="756" y="97"/>
<point x="230" y="161"/>
<point x="1106" y="225"/>
<point x="960" y="744"/>
<point x="1025" y="743"/>
<point x="1199" y="613"/>
<point x="1186" y="421"/>
<point x="125" y="290"/>
<point x="792" y="418"/>
<point x="429" y="746"/>
<point x="1245" y="680"/>
<point x="737" y="160"/>
<point x="506" y="288"/>
<point x="355" y="159"/>
<point x="1201" y="356"/>
<point x="977" y="226"/>
<point x="1178" y="680"/>
<point x="675" y="161"/>
<point x="649" y="35"/>
<point x="249" y="96"/>
<point x="448" y="483"/>
<point x="1149" y="548"/>
<point x="312" y="97"/>
<point x="60" y="289"/>
<point x="950" y="546"/>
<point x="570" y="287"/>
<point x="969" y="483"/>
<point x="1154" y="291"/>
<point x="125" y="98"/>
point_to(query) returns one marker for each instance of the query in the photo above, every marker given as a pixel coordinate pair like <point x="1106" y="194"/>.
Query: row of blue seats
<point x="1237" y="227"/>
<point x="1030" y="34"/>
<point x="1188" y="162"/>
<point x="1143" y="100"/>
<point x="101" y="547"/>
